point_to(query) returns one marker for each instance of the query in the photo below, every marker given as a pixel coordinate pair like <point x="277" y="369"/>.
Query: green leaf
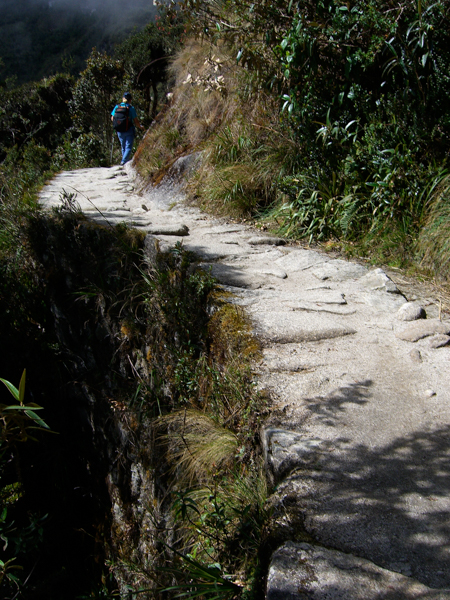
<point x="14" y="391"/>
<point x="22" y="386"/>
<point x="25" y="408"/>
<point x="37" y="419"/>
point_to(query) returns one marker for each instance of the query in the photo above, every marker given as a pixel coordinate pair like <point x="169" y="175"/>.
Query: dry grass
<point x="217" y="108"/>
<point x="434" y="240"/>
<point x="201" y="92"/>
<point x="197" y="447"/>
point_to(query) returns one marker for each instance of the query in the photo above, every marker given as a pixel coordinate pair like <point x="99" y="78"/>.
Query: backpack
<point x="121" y="119"/>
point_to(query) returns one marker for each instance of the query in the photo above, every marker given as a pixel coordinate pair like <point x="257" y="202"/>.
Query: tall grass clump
<point x="244" y="162"/>
<point x="434" y="239"/>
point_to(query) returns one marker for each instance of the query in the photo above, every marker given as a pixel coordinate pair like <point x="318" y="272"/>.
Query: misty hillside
<point x="38" y="37"/>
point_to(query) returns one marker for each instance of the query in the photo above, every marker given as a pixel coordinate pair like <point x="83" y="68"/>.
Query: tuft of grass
<point x="434" y="240"/>
<point x="197" y="445"/>
<point x="215" y="472"/>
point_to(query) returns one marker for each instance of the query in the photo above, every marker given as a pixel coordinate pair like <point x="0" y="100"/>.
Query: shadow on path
<point x="390" y="505"/>
<point x="328" y="409"/>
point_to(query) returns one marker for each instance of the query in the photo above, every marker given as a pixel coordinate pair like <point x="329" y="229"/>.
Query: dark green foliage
<point x="364" y="88"/>
<point x="145" y="56"/>
<point x="175" y="314"/>
<point x="122" y="313"/>
<point x="71" y="118"/>
<point x="35" y="111"/>
<point x="19" y="423"/>
<point x="61" y="266"/>
<point x="98" y="89"/>
<point x="359" y="84"/>
<point x="40" y="38"/>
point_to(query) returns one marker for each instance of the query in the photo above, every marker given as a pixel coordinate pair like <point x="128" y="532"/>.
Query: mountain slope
<point x="38" y="38"/>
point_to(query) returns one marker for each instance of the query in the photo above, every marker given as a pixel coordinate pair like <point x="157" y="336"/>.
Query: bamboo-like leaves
<point x="17" y="420"/>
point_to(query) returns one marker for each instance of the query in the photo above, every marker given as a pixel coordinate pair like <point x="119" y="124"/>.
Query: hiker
<point x="124" y="120"/>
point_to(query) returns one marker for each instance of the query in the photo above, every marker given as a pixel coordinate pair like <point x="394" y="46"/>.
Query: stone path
<point x="358" y="445"/>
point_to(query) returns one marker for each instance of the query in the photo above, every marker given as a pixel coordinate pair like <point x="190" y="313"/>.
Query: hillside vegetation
<point x="328" y="119"/>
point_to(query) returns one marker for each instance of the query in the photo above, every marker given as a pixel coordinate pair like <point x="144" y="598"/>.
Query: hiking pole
<point x="112" y="146"/>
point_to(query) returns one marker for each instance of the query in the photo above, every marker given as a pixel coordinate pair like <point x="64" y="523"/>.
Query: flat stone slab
<point x="383" y="302"/>
<point x="308" y="572"/>
<point x="322" y="296"/>
<point x="286" y="450"/>
<point x="176" y="230"/>
<point x="236" y="277"/>
<point x="300" y="259"/>
<point x="378" y="280"/>
<point x="321" y="308"/>
<point x="293" y="327"/>
<point x="379" y="505"/>
<point x="328" y="301"/>
<point x="274" y="271"/>
<point x="339" y="270"/>
<point x="416" y="330"/>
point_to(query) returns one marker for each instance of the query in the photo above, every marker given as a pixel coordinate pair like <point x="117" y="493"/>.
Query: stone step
<point x="301" y="571"/>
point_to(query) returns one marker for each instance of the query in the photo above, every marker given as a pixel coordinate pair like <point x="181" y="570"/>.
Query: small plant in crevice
<point x="20" y="419"/>
<point x="220" y="526"/>
<point x="19" y="423"/>
<point x="193" y="578"/>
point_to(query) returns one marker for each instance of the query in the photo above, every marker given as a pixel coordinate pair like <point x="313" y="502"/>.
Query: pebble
<point x="415" y="356"/>
<point x="410" y="311"/>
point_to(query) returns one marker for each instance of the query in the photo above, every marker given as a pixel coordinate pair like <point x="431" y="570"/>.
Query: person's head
<point x="127" y="97"/>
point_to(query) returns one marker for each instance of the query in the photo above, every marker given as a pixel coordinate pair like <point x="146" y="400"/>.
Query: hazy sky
<point x="36" y="34"/>
<point x="99" y="4"/>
